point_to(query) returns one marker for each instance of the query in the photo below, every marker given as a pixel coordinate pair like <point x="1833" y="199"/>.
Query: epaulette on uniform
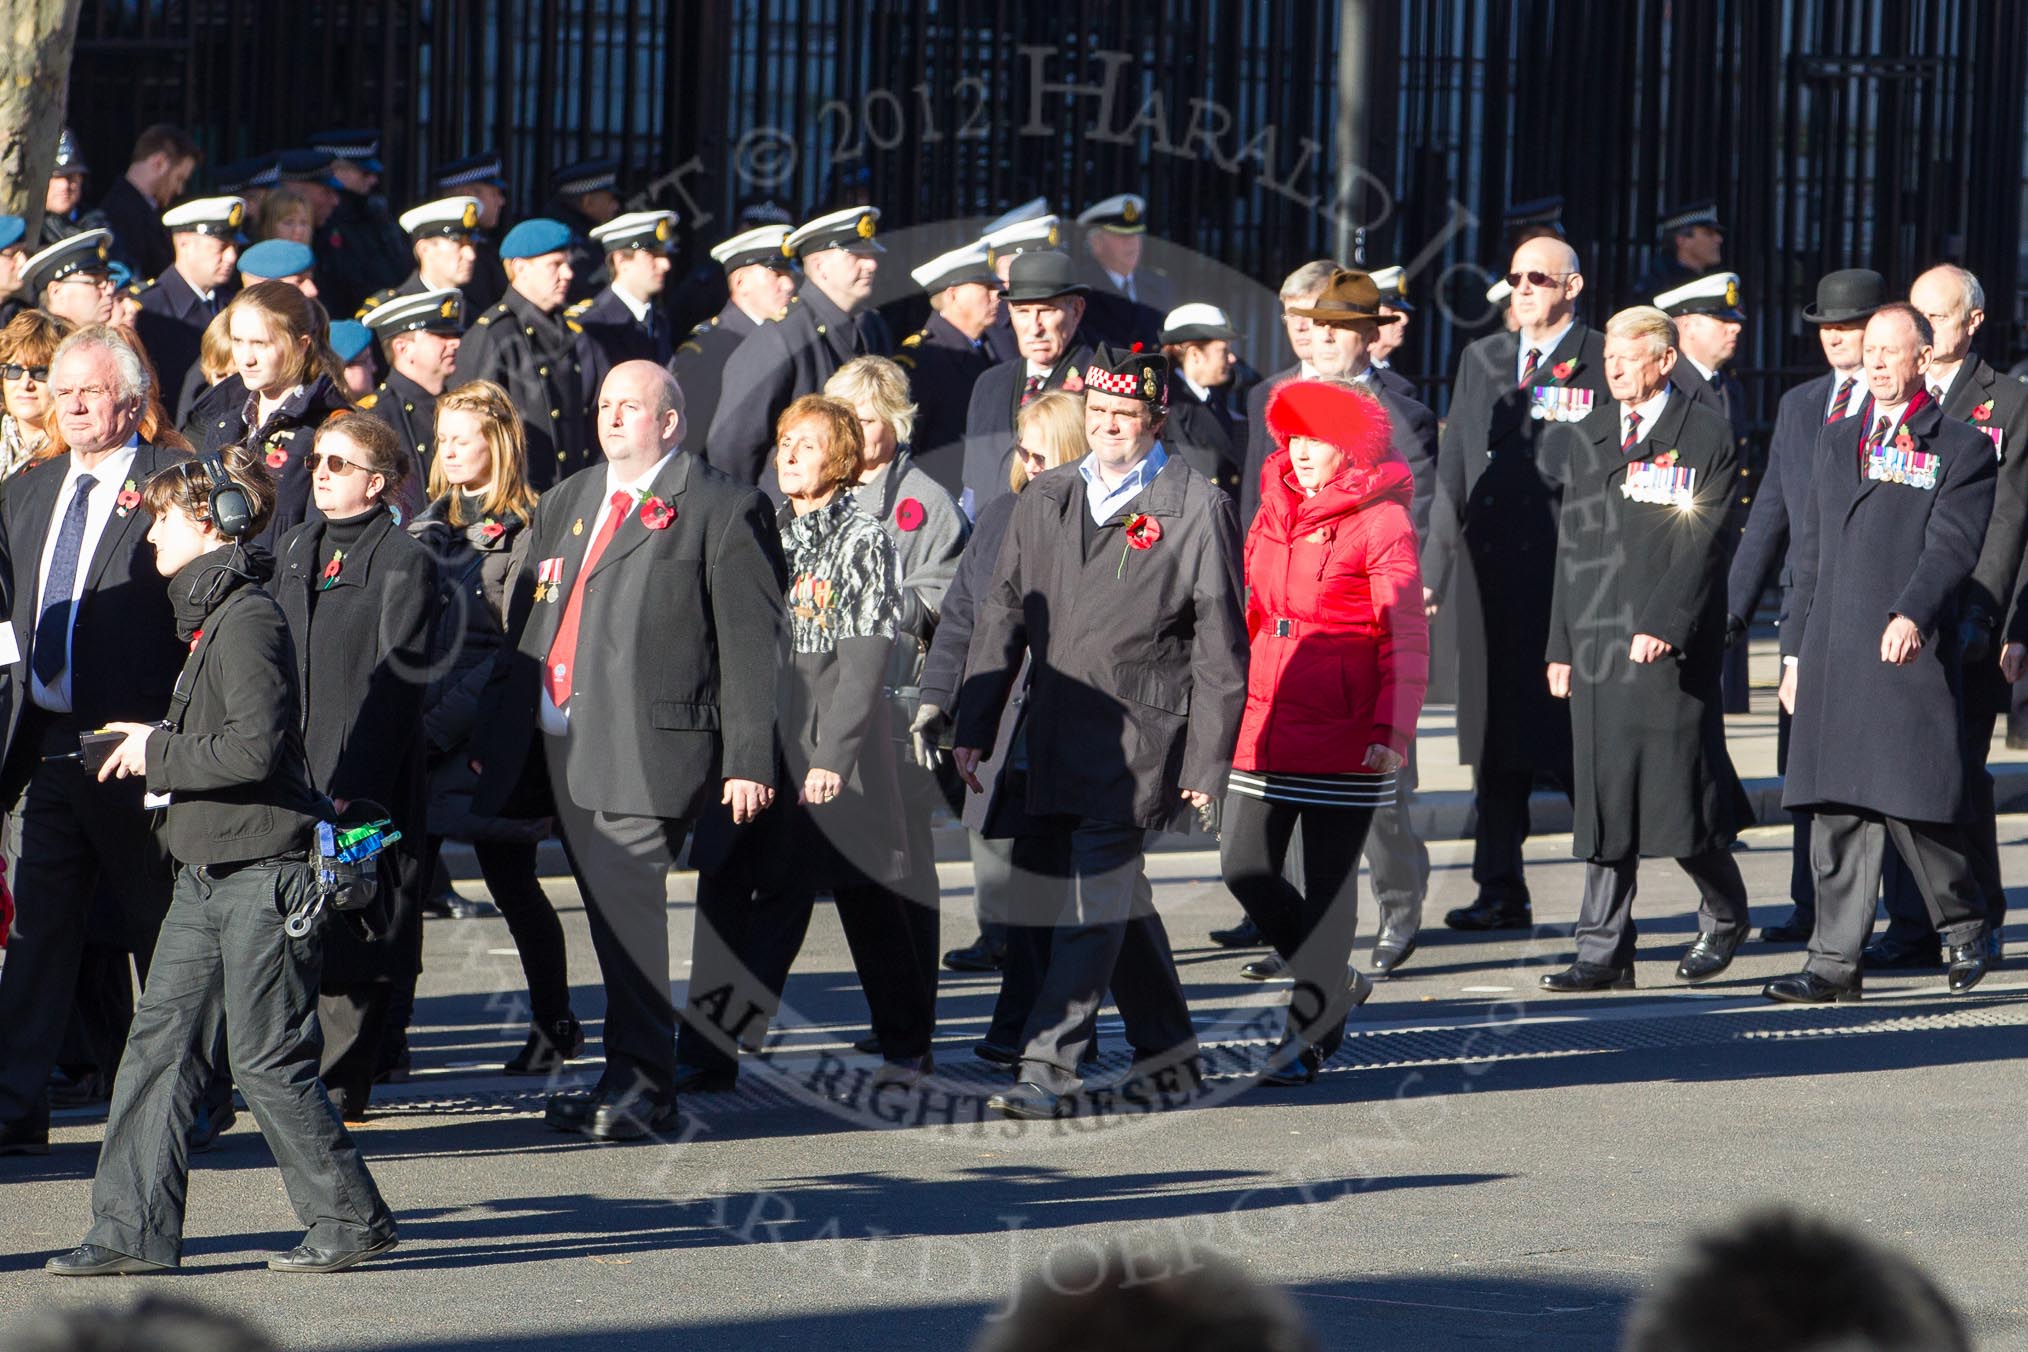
<point x="913" y="340"/>
<point x="575" y="310"/>
<point x="498" y="311"/>
<point x="368" y="400"/>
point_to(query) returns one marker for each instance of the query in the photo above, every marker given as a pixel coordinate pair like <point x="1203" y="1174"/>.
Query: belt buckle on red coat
<point x="1285" y="628"/>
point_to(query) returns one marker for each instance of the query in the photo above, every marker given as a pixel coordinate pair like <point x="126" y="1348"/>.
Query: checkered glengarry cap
<point x="1129" y="374"/>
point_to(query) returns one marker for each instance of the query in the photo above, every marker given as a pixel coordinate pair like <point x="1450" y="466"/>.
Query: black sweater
<point x="239" y="786"/>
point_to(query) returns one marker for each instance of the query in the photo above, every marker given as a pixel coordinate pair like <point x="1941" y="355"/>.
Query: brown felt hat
<point x="1347" y="296"/>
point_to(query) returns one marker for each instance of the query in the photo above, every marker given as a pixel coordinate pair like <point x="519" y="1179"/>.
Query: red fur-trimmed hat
<point x="1328" y="411"/>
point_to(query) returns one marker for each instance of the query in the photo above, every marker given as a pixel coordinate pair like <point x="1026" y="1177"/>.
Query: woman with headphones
<point x="240" y="822"/>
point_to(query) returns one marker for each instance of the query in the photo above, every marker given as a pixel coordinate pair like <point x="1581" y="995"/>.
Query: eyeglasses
<point x="1514" y="279"/>
<point x="336" y="464"/>
<point x="15" y="371"/>
<point x="1032" y="459"/>
<point x="95" y="281"/>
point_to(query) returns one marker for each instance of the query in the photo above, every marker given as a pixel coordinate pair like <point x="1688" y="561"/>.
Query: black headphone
<point x="231" y="513"/>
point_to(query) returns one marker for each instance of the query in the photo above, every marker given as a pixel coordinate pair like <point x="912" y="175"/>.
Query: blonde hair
<point x="214" y="349"/>
<point x="506" y="441"/>
<point x="844" y="443"/>
<point x="289" y="318"/>
<point x="281" y="205"/>
<point x="879" y="384"/>
<point x="1644" y="321"/>
<point x="1057" y="421"/>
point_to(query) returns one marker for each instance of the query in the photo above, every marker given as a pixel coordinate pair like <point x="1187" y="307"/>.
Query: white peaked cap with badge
<point x="636" y="230"/>
<point x="1124" y="213"/>
<point x="970" y="263"/>
<point x="1034" y="209"/>
<point x="761" y="244"/>
<point x="1715" y="293"/>
<point x="1037" y="232"/>
<point x="1196" y="322"/>
<point x="850" y="228"/>
<point x="446" y="216"/>
<point x="1391" y="281"/>
<point x="207" y="216"/>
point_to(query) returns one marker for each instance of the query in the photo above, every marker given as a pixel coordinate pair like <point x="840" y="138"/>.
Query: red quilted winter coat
<point x="1340" y="652"/>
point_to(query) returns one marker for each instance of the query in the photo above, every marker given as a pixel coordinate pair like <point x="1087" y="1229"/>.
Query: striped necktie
<point x="1633" y="432"/>
<point x="1874" y="441"/>
<point x="1843" y="403"/>
<point x="1528" y="366"/>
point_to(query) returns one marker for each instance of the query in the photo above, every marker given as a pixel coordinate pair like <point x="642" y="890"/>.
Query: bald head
<point x="1546" y="284"/>
<point x="1954" y="303"/>
<point x="640" y="414"/>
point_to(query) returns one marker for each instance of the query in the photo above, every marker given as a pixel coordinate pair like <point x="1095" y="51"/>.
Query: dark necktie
<point x="653" y="324"/>
<point x="1030" y="390"/>
<point x="1843" y="402"/>
<point x="1633" y="435"/>
<point x="561" y="669"/>
<point x="1873" y="442"/>
<point x="52" y="626"/>
<point x="1528" y="366"/>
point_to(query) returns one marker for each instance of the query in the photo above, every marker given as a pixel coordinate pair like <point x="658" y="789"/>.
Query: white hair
<point x="130" y="373"/>
<point x="1644" y="321"/>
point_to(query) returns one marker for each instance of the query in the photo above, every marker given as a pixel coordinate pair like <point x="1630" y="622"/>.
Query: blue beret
<point x="349" y="338"/>
<point x="12" y="228"/>
<point x="534" y="237"/>
<point x="272" y="258"/>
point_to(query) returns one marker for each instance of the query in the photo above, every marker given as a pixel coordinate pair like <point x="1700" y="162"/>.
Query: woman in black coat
<point x="361" y="599"/>
<point x="837" y="825"/>
<point x="476" y="526"/>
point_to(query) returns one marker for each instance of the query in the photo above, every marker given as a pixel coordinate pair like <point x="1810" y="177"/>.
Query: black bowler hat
<point x="1843" y="297"/>
<point x="1042" y="275"/>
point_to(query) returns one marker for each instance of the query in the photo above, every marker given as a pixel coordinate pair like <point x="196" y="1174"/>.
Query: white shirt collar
<point x="1940" y="377"/>
<point x="1119" y="279"/>
<point x="637" y="308"/>
<point x="1892" y="412"/>
<point x="1710" y="373"/>
<point x="1854" y="399"/>
<point x="1649" y="409"/>
<point x="1306" y="371"/>
<point x="1200" y="391"/>
<point x="1523" y="345"/>
<point x="635" y="486"/>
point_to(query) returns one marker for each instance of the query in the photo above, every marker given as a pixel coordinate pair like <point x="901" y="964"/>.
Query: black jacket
<point x="989" y="421"/>
<point x="699" y="367"/>
<point x="140" y="240"/>
<point x="1770" y="521"/>
<point x="534" y="357"/>
<point x="779" y="362"/>
<point x="942" y="366"/>
<point x="233" y="765"/>
<point x="171" y="325"/>
<point x="612" y="335"/>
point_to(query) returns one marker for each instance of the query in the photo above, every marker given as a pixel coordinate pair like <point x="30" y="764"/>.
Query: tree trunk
<point x="39" y="36"/>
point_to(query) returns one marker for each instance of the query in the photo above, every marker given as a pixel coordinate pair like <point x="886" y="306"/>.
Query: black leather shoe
<point x="1292" y="1065"/>
<point x="28" y="1135"/>
<point x="1892" y="955"/>
<point x="1273" y="967"/>
<point x="1027" y="1102"/>
<point x="976" y="956"/>
<point x="1706" y="958"/>
<point x="630" y="1117"/>
<point x="547" y="1048"/>
<point x="307" y="1258"/>
<point x="208" y="1126"/>
<point x="1807" y="988"/>
<point x="1589" y="976"/>
<point x="89" y="1260"/>
<point x="906" y="1071"/>
<point x="1489" y="913"/>
<point x="86" y="1091"/>
<point x="570" y="1112"/>
<point x="1245" y="934"/>
<point x="1797" y="929"/>
<point x="994" y="1053"/>
<point x="701" y="1080"/>
<point x="1390" y="952"/>
<point x="1967" y="966"/>
<point x="867" y="1046"/>
<point x="448" y="905"/>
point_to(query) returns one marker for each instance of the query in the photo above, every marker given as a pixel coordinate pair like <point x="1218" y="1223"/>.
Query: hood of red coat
<point x="1354" y="488"/>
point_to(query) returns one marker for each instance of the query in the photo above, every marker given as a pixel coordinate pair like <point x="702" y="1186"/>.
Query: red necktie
<point x="1528" y="366"/>
<point x="1633" y="432"/>
<point x="1030" y="390"/>
<point x="563" y="651"/>
<point x="1842" y="402"/>
<point x="1873" y="442"/>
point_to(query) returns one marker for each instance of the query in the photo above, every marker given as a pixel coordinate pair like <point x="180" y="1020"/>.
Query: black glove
<point x="1735" y="630"/>
<point x="1975" y="637"/>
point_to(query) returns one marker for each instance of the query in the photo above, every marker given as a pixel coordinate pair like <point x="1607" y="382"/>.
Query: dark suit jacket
<point x="535" y="358"/>
<point x="989" y="421"/>
<point x="1725" y="396"/>
<point x="1868" y="734"/>
<point x="1996" y="406"/>
<point x="1138" y="656"/>
<point x="1110" y="317"/>
<point x="699" y="367"/>
<point x="942" y="367"/>
<point x="782" y="360"/>
<point x="689" y="627"/>
<point x="171" y="326"/>
<point x="140" y="240"/>
<point x="124" y="649"/>
<point x="1791" y="451"/>
<point x="1413" y="432"/>
<point x="612" y="335"/>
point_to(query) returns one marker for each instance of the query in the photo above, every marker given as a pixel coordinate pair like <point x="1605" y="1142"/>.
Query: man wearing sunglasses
<point x="1515" y="410"/>
<point x="72" y="278"/>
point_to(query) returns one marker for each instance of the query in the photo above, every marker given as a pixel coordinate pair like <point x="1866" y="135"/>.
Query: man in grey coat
<point x="1120" y="579"/>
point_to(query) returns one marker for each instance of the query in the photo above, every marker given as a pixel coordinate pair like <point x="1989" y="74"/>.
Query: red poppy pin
<point x="1668" y="457"/>
<point x="1563" y="369"/>
<point x="329" y="577"/>
<point x="129" y="499"/>
<point x="278" y="455"/>
<point x="490" y="531"/>
<point x="908" y="514"/>
<point x="1983" y="411"/>
<point x="1073" y="383"/>
<point x="1903" y="441"/>
<point x="1142" y="531"/>
<point x="195" y="639"/>
<point x="656" y="514"/>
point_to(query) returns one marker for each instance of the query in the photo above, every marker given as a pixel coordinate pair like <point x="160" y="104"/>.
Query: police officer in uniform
<point x="482" y="176"/>
<point x="760" y="278"/>
<point x="1692" y="245"/>
<point x="795" y="355"/>
<point x="624" y="321"/>
<point x="1023" y="229"/>
<point x="1049" y="307"/>
<point x="587" y="195"/>
<point x="528" y="346"/>
<point x="947" y="356"/>
<point x="1708" y="322"/>
<point x="249" y="179"/>
<point x="420" y="336"/>
<point x="366" y="249"/>
<point x="63" y="213"/>
<point x="440" y="237"/>
<point x="176" y="306"/>
<point x="1128" y="301"/>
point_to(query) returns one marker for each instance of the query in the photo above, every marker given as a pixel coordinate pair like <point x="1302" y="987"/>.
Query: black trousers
<point x="1500" y="800"/>
<point x="1020" y="884"/>
<point x="1605" y="920"/>
<point x="1311" y="926"/>
<point x="752" y="917"/>
<point x="1845" y="848"/>
<point x="1107" y="934"/>
<point x="513" y="881"/>
<point x="81" y="865"/>
<point x="1802" y="874"/>
<point x="1908" y="921"/>
<point x="224" y="965"/>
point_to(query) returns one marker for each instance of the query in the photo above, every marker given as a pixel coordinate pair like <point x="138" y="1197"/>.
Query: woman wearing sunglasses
<point x="361" y="599"/>
<point x="26" y="345"/>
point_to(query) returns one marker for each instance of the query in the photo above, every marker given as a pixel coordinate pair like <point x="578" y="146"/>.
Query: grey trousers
<point x="1398" y="859"/>
<point x="1845" y="848"/>
<point x="1108" y="933"/>
<point x="1605" y="919"/>
<point x="223" y="958"/>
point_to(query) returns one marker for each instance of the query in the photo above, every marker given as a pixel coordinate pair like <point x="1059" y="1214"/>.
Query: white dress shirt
<point x="110" y="477"/>
<point x="1542" y="350"/>
<point x="1854" y="400"/>
<point x="552" y="720"/>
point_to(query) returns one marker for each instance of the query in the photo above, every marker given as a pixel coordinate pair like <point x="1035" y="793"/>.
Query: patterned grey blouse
<point x="842" y="576"/>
